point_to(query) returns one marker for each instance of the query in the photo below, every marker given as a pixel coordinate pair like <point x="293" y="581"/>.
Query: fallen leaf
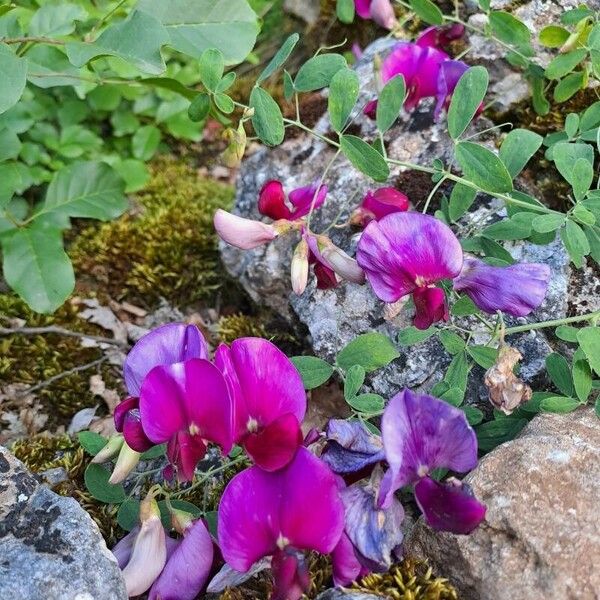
<point x="105" y="318"/>
<point x="81" y="420"/>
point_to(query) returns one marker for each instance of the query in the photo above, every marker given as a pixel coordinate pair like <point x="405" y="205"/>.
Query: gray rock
<point x="50" y="549"/>
<point x="541" y="534"/>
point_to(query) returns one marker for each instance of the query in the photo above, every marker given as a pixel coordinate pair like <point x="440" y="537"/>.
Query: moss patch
<point x="168" y="249"/>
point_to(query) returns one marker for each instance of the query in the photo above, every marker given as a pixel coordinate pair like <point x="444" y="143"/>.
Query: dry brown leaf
<point x="98" y="388"/>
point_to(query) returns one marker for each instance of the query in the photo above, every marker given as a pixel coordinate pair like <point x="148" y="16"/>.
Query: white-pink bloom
<point x="242" y="233"/>
<point x="382" y="12"/>
<point x="335" y="258"/>
<point x="126" y="462"/>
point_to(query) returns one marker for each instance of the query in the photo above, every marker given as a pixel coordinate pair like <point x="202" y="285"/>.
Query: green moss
<point x="168" y="249"/>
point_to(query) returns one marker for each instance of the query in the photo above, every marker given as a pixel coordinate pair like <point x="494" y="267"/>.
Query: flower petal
<point x="450" y="72"/>
<point x="383" y="202"/>
<point x="382" y="12"/>
<point x="517" y="289"/>
<point x="274" y="446"/>
<point x="438" y="37"/>
<point x="302" y="199"/>
<point x="184" y="452"/>
<point x="449" y="506"/>
<point x="164" y="345"/>
<point x="291" y="577"/>
<point x="242" y="233"/>
<point x="271" y="201"/>
<point x="122" y="409"/>
<point x="420" y="434"/>
<point x="430" y="306"/>
<point x="188" y="568"/>
<point x="346" y="566"/>
<point x="133" y="432"/>
<point x="363" y="8"/>
<point x="405" y="250"/>
<point x="122" y="549"/>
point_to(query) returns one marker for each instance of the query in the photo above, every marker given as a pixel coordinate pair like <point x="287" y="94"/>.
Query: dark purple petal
<point x="188" y="568"/>
<point x="420" y="434"/>
<point x="291" y="577"/>
<point x="326" y="277"/>
<point x="185" y="451"/>
<point x="122" y="409"/>
<point x="439" y="37"/>
<point x="450" y="72"/>
<point x="517" y="289"/>
<point x="302" y="199"/>
<point x="449" y="506"/>
<point x="164" y="345"/>
<point x="430" y="306"/>
<point x="271" y="201"/>
<point x="351" y="446"/>
<point x="346" y="566"/>
<point x="370" y="109"/>
<point x="133" y="432"/>
<point x="407" y="250"/>
<point x="363" y="8"/>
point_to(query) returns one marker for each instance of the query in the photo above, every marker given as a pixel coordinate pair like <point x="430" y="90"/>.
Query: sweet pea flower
<point x="243" y="233"/>
<point x="408" y="253"/>
<point x="378" y="204"/>
<point x="380" y="11"/>
<point x="281" y="514"/>
<point x="272" y="200"/>
<point x="439" y="37"/>
<point x="269" y="401"/>
<point x="420" y="434"/>
<point x="329" y="255"/>
<point x="450" y="72"/>
<point x="517" y="289"/>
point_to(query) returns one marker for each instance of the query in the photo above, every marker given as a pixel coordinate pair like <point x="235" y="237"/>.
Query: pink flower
<point x="439" y="37"/>
<point x="378" y="204"/>
<point x="380" y="11"/>
<point x="243" y="233"/>
<point x="272" y="201"/>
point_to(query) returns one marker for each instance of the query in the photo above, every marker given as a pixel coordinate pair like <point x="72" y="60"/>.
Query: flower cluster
<point x="294" y="501"/>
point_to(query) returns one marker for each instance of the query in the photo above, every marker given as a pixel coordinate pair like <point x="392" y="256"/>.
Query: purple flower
<point x="439" y="37"/>
<point x="128" y="421"/>
<point x="272" y="201"/>
<point x="380" y="11"/>
<point x="407" y="253"/>
<point x="346" y="564"/>
<point x="421" y="434"/>
<point x="284" y="512"/>
<point x="378" y="204"/>
<point x="184" y="404"/>
<point x="450" y="72"/>
<point x="517" y="289"/>
<point x="269" y="401"/>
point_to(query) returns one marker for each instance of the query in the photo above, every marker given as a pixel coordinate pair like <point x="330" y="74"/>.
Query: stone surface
<point x="334" y="317"/>
<point x="541" y="536"/>
<point x="50" y="549"/>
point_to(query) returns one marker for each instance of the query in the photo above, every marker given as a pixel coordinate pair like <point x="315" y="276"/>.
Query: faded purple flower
<point x="329" y="255"/>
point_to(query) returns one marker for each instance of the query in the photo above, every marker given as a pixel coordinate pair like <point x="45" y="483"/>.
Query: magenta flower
<point x="439" y="37"/>
<point x="185" y="404"/>
<point x="272" y="200"/>
<point x="128" y="421"/>
<point x="285" y="512"/>
<point x="408" y="253"/>
<point x="380" y="11"/>
<point x="421" y="434"/>
<point x="269" y="401"/>
<point x="243" y="233"/>
<point x="378" y="204"/>
<point x="517" y="289"/>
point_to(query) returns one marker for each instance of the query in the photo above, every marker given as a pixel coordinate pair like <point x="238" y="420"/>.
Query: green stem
<point x="26" y="40"/>
<point x="436" y="187"/>
<point x="311" y="131"/>
<point x="208" y="474"/>
<point x="105" y="18"/>
<point x="554" y="323"/>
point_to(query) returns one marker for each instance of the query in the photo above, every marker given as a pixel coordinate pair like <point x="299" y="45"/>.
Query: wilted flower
<point x="281" y="514"/>
<point x="272" y="201"/>
<point x="243" y="233"/>
<point x="421" y="434"/>
<point x="408" y="253"/>
<point x="439" y="37"/>
<point x="378" y="204"/>
<point x="329" y="255"/>
<point x="269" y="401"/>
<point x="380" y="11"/>
<point x="507" y="391"/>
<point x="517" y="289"/>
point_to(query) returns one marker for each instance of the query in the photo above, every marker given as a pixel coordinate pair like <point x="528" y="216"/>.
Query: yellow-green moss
<point x="231" y="327"/>
<point x="168" y="249"/>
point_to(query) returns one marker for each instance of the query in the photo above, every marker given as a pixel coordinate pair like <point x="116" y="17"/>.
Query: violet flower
<point x="380" y="11"/>
<point x="517" y="289"/>
<point x="378" y="204"/>
<point x="185" y="404"/>
<point x="269" y="401"/>
<point x="272" y="200"/>
<point x="281" y="514"/>
<point x="421" y="434"/>
<point x="450" y="72"/>
<point x="408" y="253"/>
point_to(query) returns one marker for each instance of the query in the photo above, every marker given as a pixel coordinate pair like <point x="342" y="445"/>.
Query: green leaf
<point x="128" y="515"/>
<point x="597" y="407"/>
<point x="553" y="36"/>
<point x="576" y="242"/>
<point x="230" y="26"/>
<point x="370" y="350"/>
<point x="452" y="342"/>
<point x="344" y="10"/>
<point x="165" y="515"/>
<point x="317" y="72"/>
<point x="593" y="236"/>
<point x="227" y="81"/>
<point x="224" y="103"/>
<point x="591" y="117"/>
<point x="52" y="20"/>
<point x="154" y="452"/>
<point x="474" y="415"/>
<point x="582" y="379"/>
<point x="466" y="99"/>
<point x="168" y="83"/>
<point x="564" y="63"/>
<point x="37" y="267"/>
<point x="589" y="340"/>
<point x="91" y="190"/>
<point x="367" y="403"/>
<point x="14" y="77"/>
<point x="96" y="481"/>
<point x="411" y="335"/>
<point x="484" y="356"/>
<point x="364" y="157"/>
<point x="572" y="124"/>
<point x="280" y="56"/>
<point x="566" y="333"/>
<point x="517" y="149"/>
<point x="453" y="396"/>
<point x="559" y="404"/>
<point x="137" y="40"/>
<point x="355" y="377"/>
<point x="145" y="142"/>
<point x="464" y="307"/>
<point x="547" y="223"/>
<point x="427" y="11"/>
<point x="288" y="86"/>
<point x="583" y="174"/>
<point x="538" y="95"/>
<point x="314" y="371"/>
<point x="494" y="433"/>
<point x="389" y="103"/>
<point x="91" y="441"/>
<point x="565" y="155"/>
<point x="461" y="199"/>
<point x="508" y="28"/>
<point x="199" y="108"/>
<point x="483" y="167"/>
<point x="10" y="145"/>
<point x="560" y="373"/>
<point x="343" y="93"/>
<point x="518" y="227"/>
<point x="134" y="172"/>
<point x="458" y="372"/>
<point x="569" y="86"/>
<point x="267" y="119"/>
<point x="493" y="249"/>
<point x="584" y="215"/>
<point x="210" y="68"/>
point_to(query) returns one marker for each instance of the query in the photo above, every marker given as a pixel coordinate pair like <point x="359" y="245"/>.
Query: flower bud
<point x="181" y="520"/>
<point x="242" y="233"/>
<point x="234" y="152"/>
<point x="345" y="266"/>
<point x="112" y="448"/>
<point x="382" y="12"/>
<point x="126" y="462"/>
<point x="300" y="267"/>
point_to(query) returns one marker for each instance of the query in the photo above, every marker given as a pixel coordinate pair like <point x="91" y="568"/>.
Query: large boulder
<point x="541" y="535"/>
<point x="50" y="549"/>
